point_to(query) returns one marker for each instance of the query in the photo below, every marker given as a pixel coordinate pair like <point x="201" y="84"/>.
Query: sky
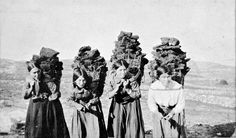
<point x="205" y="28"/>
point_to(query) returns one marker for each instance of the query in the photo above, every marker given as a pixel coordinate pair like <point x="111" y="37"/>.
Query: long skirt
<point x="56" y="120"/>
<point x="36" y="120"/>
<point x="173" y="128"/>
<point x="125" y="120"/>
<point x="89" y="124"/>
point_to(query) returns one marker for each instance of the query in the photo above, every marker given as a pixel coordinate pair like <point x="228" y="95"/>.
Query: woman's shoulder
<point x="176" y="85"/>
<point x="157" y="85"/>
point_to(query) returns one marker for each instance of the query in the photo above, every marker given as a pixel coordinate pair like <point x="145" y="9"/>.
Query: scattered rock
<point x="11" y="119"/>
<point x="222" y="82"/>
<point x="6" y="103"/>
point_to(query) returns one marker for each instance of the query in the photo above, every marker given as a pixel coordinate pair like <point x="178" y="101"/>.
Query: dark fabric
<point x="89" y="124"/>
<point x="36" y="124"/>
<point x="173" y="128"/>
<point x="125" y="120"/>
<point x="56" y="121"/>
<point x="44" y="119"/>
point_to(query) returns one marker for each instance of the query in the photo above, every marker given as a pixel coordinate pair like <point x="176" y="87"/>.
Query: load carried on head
<point x="127" y="48"/>
<point x="94" y="65"/>
<point x="50" y="70"/>
<point x="169" y="54"/>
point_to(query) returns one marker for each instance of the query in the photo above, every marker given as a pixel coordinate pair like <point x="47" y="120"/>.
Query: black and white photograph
<point x="117" y="69"/>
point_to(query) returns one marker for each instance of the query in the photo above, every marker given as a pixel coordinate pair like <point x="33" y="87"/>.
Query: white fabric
<point x="162" y="96"/>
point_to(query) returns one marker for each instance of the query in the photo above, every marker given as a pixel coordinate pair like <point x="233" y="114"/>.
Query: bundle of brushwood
<point x="95" y="67"/>
<point x="127" y="48"/>
<point x="49" y="64"/>
<point x="169" y="54"/>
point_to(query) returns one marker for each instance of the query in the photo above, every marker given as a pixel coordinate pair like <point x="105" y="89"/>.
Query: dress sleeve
<point x="72" y="101"/>
<point x="110" y="87"/>
<point x="27" y="90"/>
<point x="151" y="102"/>
<point x="180" y="102"/>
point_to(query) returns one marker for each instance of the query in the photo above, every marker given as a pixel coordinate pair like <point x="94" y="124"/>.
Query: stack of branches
<point x="127" y="47"/>
<point x="49" y="64"/>
<point x="94" y="65"/>
<point x="169" y="54"/>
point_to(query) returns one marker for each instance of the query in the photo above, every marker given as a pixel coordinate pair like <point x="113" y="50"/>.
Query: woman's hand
<point x="169" y="116"/>
<point x="126" y="83"/>
<point x="31" y="84"/>
<point x="114" y="92"/>
<point x="79" y="107"/>
<point x="88" y="105"/>
<point x="52" y="97"/>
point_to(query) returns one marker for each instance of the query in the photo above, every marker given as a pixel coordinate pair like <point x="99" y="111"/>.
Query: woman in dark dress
<point x="45" y="117"/>
<point x="36" y="125"/>
<point x="125" y="116"/>
<point x="87" y="120"/>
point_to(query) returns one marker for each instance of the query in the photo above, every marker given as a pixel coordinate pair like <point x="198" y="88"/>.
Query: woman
<point x="36" y="125"/>
<point x="45" y="118"/>
<point x="87" y="120"/>
<point x="125" y="115"/>
<point x="166" y="102"/>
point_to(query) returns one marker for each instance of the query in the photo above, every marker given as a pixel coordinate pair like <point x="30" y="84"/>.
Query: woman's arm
<point x="180" y="103"/>
<point x="28" y="89"/>
<point x="151" y="102"/>
<point x="152" y="105"/>
<point x="114" y="89"/>
<point x="179" y="106"/>
<point x="71" y="101"/>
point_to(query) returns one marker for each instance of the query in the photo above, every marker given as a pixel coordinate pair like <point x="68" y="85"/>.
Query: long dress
<point x="87" y="122"/>
<point x="36" y="120"/>
<point x="55" y="116"/>
<point x="125" y="116"/>
<point x="45" y="119"/>
<point x="56" y="120"/>
<point x="162" y="101"/>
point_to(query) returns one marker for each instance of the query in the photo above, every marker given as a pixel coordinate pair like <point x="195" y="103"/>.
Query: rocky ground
<point x="210" y="104"/>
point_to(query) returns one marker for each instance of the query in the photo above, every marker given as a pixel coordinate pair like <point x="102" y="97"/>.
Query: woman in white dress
<point x="166" y="102"/>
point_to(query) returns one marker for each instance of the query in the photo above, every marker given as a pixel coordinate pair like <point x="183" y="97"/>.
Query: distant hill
<point x="10" y="69"/>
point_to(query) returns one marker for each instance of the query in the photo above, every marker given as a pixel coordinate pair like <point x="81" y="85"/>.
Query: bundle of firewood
<point x="169" y="54"/>
<point x="94" y="65"/>
<point x="49" y="64"/>
<point x="127" y="47"/>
